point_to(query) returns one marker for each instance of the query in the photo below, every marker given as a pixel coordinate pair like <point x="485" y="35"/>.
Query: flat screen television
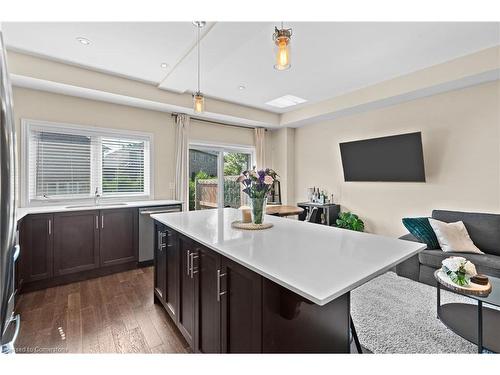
<point x="393" y="158"/>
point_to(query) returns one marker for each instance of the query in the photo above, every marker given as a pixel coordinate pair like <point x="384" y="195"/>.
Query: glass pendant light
<point x="198" y="98"/>
<point x="282" y="38"/>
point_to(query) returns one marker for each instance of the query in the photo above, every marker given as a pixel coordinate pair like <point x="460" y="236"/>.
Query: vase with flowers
<point x="459" y="270"/>
<point x="257" y="185"/>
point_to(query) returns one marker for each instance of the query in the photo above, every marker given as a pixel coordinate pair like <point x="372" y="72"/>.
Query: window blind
<point x="67" y="163"/>
<point x="123" y="166"/>
<point x="60" y="164"/>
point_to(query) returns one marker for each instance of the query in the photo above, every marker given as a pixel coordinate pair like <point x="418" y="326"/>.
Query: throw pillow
<point x="453" y="237"/>
<point x="420" y="228"/>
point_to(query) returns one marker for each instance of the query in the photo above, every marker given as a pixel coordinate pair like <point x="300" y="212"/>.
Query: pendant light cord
<point x="198" y="58"/>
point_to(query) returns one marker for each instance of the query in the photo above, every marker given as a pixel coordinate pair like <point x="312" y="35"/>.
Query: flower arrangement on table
<point x="459" y="270"/>
<point x="257" y="185"/>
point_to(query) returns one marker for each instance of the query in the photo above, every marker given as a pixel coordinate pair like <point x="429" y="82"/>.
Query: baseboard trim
<point x="145" y="263"/>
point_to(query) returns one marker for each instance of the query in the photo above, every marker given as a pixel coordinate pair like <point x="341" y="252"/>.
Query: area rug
<point x="394" y="314"/>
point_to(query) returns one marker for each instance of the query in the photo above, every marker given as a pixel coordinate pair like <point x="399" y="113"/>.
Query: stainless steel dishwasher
<point x="146" y="230"/>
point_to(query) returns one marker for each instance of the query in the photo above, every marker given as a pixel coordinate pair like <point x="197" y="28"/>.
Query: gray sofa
<point x="484" y="230"/>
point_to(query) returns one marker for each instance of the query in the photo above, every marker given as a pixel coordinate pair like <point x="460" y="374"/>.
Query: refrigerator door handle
<point x="17" y="251"/>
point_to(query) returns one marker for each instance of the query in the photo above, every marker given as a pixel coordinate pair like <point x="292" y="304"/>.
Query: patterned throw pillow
<point x="422" y="230"/>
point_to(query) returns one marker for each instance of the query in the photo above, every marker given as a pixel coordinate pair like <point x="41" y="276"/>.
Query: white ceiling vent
<point x="286" y="101"/>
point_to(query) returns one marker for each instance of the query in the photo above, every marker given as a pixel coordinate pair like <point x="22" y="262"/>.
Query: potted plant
<point x="348" y="220"/>
<point x="257" y="185"/>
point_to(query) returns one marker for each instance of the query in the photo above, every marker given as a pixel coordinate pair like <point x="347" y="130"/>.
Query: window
<point x="73" y="162"/>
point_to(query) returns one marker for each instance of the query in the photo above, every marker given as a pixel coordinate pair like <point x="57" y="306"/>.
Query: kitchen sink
<point x="98" y="205"/>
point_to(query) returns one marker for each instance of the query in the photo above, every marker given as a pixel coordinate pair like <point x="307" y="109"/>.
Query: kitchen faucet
<point x="96" y="196"/>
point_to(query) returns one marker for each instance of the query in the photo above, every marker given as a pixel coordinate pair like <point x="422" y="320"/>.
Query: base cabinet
<point x="186" y="281"/>
<point x="219" y="302"/>
<point x="118" y="236"/>
<point x="208" y="294"/>
<point x="36" y="240"/>
<point x="224" y="307"/>
<point x="76" y="242"/>
<point x="241" y="309"/>
<point x="71" y="246"/>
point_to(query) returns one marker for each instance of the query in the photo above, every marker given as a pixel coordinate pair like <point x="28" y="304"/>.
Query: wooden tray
<point x="238" y="224"/>
<point x="472" y="288"/>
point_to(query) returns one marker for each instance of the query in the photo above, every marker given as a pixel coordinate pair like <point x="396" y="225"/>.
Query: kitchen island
<point x="285" y="289"/>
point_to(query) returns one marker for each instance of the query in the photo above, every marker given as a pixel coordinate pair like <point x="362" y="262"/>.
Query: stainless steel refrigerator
<point x="9" y="250"/>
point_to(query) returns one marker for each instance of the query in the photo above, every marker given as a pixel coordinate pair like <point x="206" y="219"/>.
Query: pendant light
<point x="198" y="98"/>
<point x="282" y="38"/>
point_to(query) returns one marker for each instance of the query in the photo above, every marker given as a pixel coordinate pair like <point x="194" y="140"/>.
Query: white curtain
<point x="181" y="159"/>
<point x="260" y="147"/>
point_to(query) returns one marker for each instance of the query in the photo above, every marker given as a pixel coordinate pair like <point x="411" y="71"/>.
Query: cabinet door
<point x="186" y="297"/>
<point x="36" y="237"/>
<point x="207" y="270"/>
<point x="172" y="273"/>
<point x="118" y="236"/>
<point x="241" y="315"/>
<point x="160" y="262"/>
<point x="76" y="242"/>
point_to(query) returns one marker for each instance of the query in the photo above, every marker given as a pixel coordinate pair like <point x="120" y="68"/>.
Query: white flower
<point x="453" y="263"/>
<point x="470" y="269"/>
<point x="268" y="180"/>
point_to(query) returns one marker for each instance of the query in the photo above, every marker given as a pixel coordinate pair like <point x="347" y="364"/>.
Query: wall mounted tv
<point x="393" y="158"/>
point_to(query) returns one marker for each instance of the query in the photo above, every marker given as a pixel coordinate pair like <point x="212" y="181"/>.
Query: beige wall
<point x="461" y="142"/>
<point x="38" y="105"/>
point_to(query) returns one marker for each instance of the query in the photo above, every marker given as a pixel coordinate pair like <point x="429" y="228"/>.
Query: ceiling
<point x="328" y="58"/>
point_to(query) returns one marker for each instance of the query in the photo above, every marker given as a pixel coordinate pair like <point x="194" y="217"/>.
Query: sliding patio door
<point x="213" y="171"/>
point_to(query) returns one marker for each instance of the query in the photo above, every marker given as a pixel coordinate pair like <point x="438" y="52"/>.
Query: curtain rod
<point x="217" y="122"/>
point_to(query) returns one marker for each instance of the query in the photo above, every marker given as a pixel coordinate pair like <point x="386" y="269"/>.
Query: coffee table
<point x="478" y="324"/>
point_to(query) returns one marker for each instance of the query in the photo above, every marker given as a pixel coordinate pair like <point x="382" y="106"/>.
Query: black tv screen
<point x="394" y="158"/>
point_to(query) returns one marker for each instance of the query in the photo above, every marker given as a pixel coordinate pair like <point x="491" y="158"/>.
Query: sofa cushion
<point x="453" y="237"/>
<point x="420" y="228"/>
<point x="488" y="264"/>
<point x="483" y="229"/>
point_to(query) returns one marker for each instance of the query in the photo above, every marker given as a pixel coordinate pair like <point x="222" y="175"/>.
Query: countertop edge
<point x="22" y="212"/>
<point x="316" y="300"/>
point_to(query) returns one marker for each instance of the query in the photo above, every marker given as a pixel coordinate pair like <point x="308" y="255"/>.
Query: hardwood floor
<point x="110" y="314"/>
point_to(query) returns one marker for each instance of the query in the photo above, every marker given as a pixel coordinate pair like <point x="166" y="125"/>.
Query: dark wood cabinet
<point x="76" y="242"/>
<point x="225" y="307"/>
<point x="207" y="270"/>
<point x="172" y="276"/>
<point x="160" y="263"/>
<point x="241" y="309"/>
<point x="215" y="302"/>
<point x="166" y="255"/>
<point x="71" y="246"/>
<point x="118" y="236"/>
<point x="36" y="239"/>
<point x="186" y="315"/>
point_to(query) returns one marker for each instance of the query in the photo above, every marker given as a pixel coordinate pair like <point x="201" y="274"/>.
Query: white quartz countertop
<point x="23" y="211"/>
<point x="315" y="261"/>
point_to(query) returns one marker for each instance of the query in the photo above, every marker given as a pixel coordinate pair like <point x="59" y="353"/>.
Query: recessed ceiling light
<point x="164" y="65"/>
<point x="84" y="41"/>
<point x="286" y="101"/>
<point x="241" y="87"/>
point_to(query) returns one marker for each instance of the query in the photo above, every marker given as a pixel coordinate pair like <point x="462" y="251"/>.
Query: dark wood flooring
<point x="110" y="314"/>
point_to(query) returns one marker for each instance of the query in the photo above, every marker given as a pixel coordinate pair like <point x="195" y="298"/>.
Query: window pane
<point x="122" y="166"/>
<point x="61" y="163"/>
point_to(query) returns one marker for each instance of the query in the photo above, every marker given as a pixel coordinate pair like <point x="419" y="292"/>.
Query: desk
<point x="281" y="210"/>
<point x="330" y="211"/>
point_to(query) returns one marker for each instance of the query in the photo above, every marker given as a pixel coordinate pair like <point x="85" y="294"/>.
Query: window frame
<point x="28" y="125"/>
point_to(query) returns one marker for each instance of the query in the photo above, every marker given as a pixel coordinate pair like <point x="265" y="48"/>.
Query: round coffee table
<point x="478" y="324"/>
